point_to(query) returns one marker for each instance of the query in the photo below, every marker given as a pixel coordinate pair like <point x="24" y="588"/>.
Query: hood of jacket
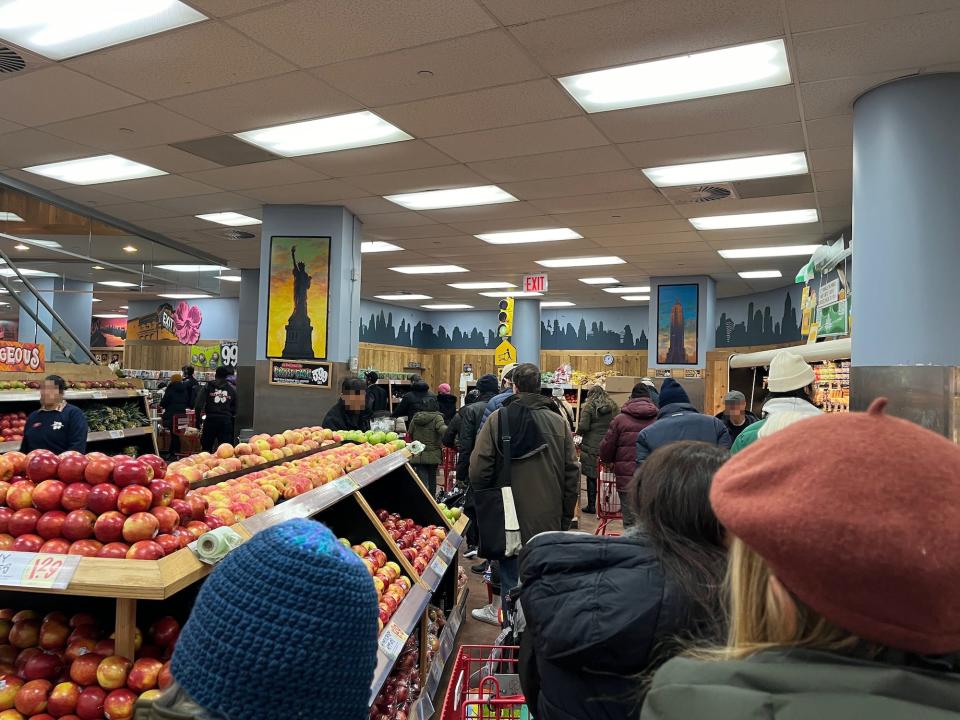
<point x="604" y="409"/>
<point x="677" y="409"/>
<point x="789" y="404"/>
<point x="419" y="387"/>
<point x="426" y="417"/>
<point x="641" y="408"/>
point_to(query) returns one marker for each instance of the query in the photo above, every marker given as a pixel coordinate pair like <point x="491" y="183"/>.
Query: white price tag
<point x="39" y="570"/>
<point x="447" y="550"/>
<point x="345" y="485"/>
<point x="438" y="565"/>
<point x="456" y="617"/>
<point x="392" y="640"/>
<point x="98" y="395"/>
<point x="116" y="434"/>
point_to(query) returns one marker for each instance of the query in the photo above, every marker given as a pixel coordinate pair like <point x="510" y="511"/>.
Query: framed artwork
<point x="298" y="297"/>
<point x="677" y="324"/>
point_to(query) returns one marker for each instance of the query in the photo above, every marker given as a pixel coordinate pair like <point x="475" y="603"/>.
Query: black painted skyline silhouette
<point x="759" y="327"/>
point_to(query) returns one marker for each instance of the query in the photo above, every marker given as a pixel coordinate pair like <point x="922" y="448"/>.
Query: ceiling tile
<point x="830" y="132"/>
<point x="436" y="178"/>
<point x="503" y="211"/>
<point x="393" y="220"/>
<point x="834" y="198"/>
<point x="634" y="31"/>
<point x="818" y="14"/>
<point x="826" y="98"/>
<point x="157" y="188"/>
<point x="494" y="224"/>
<point x="32" y="179"/>
<point x="174" y="224"/>
<point x="578" y="184"/>
<point x="309" y="193"/>
<point x="403" y="232"/>
<point x="673" y="242"/>
<point x="532" y="139"/>
<point x="263" y="103"/>
<point x="221" y="8"/>
<point x="6" y="126"/>
<point x="630" y="224"/>
<point x="366" y="205"/>
<point x="392" y="157"/>
<point x="772" y="106"/>
<point x="89" y="195"/>
<point x="464" y="63"/>
<point x="732" y="206"/>
<point x="601" y="201"/>
<point x="134" y="211"/>
<point x="169" y="159"/>
<point x="622" y="216"/>
<point x="482" y="109"/>
<point x="514" y="12"/>
<point x="55" y="93"/>
<point x="262" y="174"/>
<point x="834" y="180"/>
<point x="837" y="213"/>
<point x="150" y="125"/>
<point x="32" y="147"/>
<point x="716" y="146"/>
<point x="195" y="58"/>
<point x="215" y="202"/>
<point x="348" y="29"/>
<point x="904" y="42"/>
<point x="566" y="163"/>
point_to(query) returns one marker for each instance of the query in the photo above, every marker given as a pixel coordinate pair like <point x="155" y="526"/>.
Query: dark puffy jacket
<point x="427" y="427"/>
<point x="681" y="421"/>
<point x="410" y="403"/>
<point x="592" y="427"/>
<point x="599" y="613"/>
<point x="377" y="399"/>
<point x="448" y="406"/>
<point x="175" y="401"/>
<point x="470" y="417"/>
<point x="619" y="445"/>
<point x="340" y="418"/>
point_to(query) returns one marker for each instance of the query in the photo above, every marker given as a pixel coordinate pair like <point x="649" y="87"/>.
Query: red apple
<point x="9" y="684"/>
<point x="198" y="505"/>
<point x="79" y="525"/>
<point x="118" y="705"/>
<point x="63" y="699"/>
<point x="6" y="541"/>
<point x="50" y="524"/>
<point x="78" y="619"/>
<point x="106" y="648"/>
<point x="165" y="679"/>
<point x="145" y="550"/>
<point x="85" y="548"/>
<point x="23" y="522"/>
<point x="46" y="495"/>
<point x="197" y="528"/>
<point x="32" y="697"/>
<point x="168" y="518"/>
<point x="140" y="526"/>
<point x="56" y="546"/>
<point x="162" y="492"/>
<point x="72" y="468"/>
<point x="43" y="666"/>
<point x="109" y="526"/>
<point x="183" y="510"/>
<point x="27" y="543"/>
<point x="42" y="467"/>
<point x="212" y="522"/>
<point x="134" y="499"/>
<point x="20" y="495"/>
<point x="169" y="543"/>
<point x="90" y="703"/>
<point x="156" y="463"/>
<point x="5" y="515"/>
<point x="103" y="498"/>
<point x="180" y="484"/>
<point x="84" y="632"/>
<point x="116" y="550"/>
<point x="144" y="674"/>
<point x="112" y="672"/>
<point x="131" y="472"/>
<point x="83" y="670"/>
<point x="165" y="631"/>
<point x="183" y="535"/>
<point x="54" y="634"/>
<point x="99" y="469"/>
<point x="18" y="460"/>
<point x="78" y="648"/>
<point x="75" y="496"/>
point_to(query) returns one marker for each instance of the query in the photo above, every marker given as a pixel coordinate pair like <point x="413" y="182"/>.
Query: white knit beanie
<point x="788" y="372"/>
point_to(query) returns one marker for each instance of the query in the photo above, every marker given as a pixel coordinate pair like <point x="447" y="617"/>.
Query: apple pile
<point x="97" y="506"/>
<point x="451" y="514"/>
<point x="392" y="587"/>
<point x="402" y="686"/>
<point x="55" y="667"/>
<point x="417" y="544"/>
<point x="12" y="425"/>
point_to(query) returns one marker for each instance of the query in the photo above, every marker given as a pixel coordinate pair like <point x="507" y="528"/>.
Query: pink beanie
<point x="444" y="388"/>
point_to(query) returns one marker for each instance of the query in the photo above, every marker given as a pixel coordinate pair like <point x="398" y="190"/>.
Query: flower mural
<point x="186" y="323"/>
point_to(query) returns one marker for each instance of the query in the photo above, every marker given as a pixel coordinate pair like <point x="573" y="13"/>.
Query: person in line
<point x="602" y="611"/>
<point x="378" y="404"/>
<point x="619" y="445"/>
<point x="679" y="420"/>
<point x="652" y="390"/>
<point x="235" y="629"/>
<point x="410" y="403"/>
<point x="843" y="581"/>
<point x="350" y="411"/>
<point x="735" y="414"/>
<point x="544" y="474"/>
<point x="57" y="426"/>
<point x="447" y="402"/>
<point x="192" y="384"/>
<point x="218" y="400"/>
<point x="506" y="390"/>
<point x="596" y="414"/>
<point x="175" y="401"/>
<point x="790" y="385"/>
<point x="427" y="426"/>
<point x="452" y="435"/>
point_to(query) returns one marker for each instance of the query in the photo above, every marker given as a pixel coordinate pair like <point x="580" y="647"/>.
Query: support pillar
<point x="906" y="251"/>
<point x="73" y="302"/>
<point x="526" y="330"/>
<point x="247" y="347"/>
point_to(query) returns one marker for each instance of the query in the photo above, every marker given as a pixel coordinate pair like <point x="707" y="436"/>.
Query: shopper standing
<point x="350" y="411"/>
<point x="410" y="403"/>
<point x="218" y="400"/>
<point x="602" y="611"/>
<point x="447" y="402"/>
<point x="378" y="404"/>
<point x="619" y="445"/>
<point x="175" y="401"/>
<point x="427" y="427"/>
<point x="57" y="426"/>
<point x="506" y="390"/>
<point x="596" y="414"/>
<point x="843" y="583"/>
<point x="735" y="414"/>
<point x="192" y="384"/>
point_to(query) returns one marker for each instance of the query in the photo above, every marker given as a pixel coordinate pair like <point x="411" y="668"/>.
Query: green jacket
<point x="592" y="426"/>
<point x="747" y="436"/>
<point x="428" y="427"/>
<point x="800" y="685"/>
<point x="774" y="406"/>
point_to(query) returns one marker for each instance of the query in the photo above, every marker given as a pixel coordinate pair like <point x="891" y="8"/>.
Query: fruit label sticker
<point x="116" y="434"/>
<point x="392" y="640"/>
<point x="345" y="485"/>
<point x="21" y="357"/>
<point x="39" y="570"/>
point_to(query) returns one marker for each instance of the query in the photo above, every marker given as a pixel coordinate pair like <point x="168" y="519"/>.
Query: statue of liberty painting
<point x="299" y="344"/>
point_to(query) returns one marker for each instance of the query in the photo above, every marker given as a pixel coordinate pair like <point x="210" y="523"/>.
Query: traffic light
<point x="505" y="318"/>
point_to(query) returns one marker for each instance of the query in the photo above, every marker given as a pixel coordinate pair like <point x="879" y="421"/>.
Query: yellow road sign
<point x="506" y="354"/>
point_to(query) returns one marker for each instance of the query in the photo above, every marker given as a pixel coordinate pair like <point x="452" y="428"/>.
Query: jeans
<point x="630" y="518"/>
<point x="509" y="574"/>
<point x="428" y="476"/>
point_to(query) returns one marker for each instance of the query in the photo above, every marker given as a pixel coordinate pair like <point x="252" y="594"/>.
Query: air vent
<point x="10" y="61"/>
<point x="238" y="235"/>
<point x="699" y="193"/>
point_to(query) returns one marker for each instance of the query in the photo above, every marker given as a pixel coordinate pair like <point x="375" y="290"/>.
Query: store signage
<point x="506" y="354"/>
<point x="301" y="372"/>
<point x="829" y="293"/>
<point x="210" y="357"/>
<point x="37" y="570"/>
<point x="392" y="640"/>
<point x="21" y="357"/>
<point x="535" y="283"/>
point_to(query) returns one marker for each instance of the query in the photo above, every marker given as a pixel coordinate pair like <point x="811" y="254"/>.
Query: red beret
<point x="858" y="515"/>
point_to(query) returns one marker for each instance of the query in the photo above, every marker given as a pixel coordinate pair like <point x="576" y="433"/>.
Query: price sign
<point x="228" y="353"/>
<point x="98" y="395"/>
<point x="454" y="622"/>
<point x="392" y="640"/>
<point x="438" y="565"/>
<point x="116" y="434"/>
<point x="345" y="485"/>
<point x="38" y="570"/>
<point x="447" y="550"/>
<point x="436" y="672"/>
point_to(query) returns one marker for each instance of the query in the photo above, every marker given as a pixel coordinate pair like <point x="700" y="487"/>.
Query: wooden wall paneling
<point x="159" y="354"/>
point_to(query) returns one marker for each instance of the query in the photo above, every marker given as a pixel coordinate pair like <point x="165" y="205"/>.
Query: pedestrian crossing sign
<point x="506" y="353"/>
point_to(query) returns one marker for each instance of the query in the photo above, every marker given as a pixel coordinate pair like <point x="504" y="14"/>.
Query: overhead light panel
<point x="21" y="246"/>
<point x="97" y="300"/>
<point x="112" y="316"/>
<point x="599" y="281"/>
<point x="557" y="304"/>
<point x="52" y="244"/>
<point x="192" y="268"/>
<point x="456" y="197"/>
<point x="97" y="267"/>
<point x="26" y="272"/>
<point x="635" y="298"/>
<point x="760" y="274"/>
<point x="230" y="218"/>
<point x="582" y="261"/>
<point x="378" y="246"/>
<point x="762" y="252"/>
<point x="182" y="296"/>
<point x="503" y="294"/>
<point x="517" y="237"/>
<point x="452" y="306"/>
<point x="130" y="249"/>
<point x="705" y="74"/>
<point x="627" y="290"/>
<point x="340" y="132"/>
<point x="93" y="170"/>
<point x="10" y="217"/>
<point x="747" y="168"/>
<point x="481" y="285"/>
<point x="124" y="307"/>
<point x="117" y="283"/>
<point x="60" y="29"/>
<point x="428" y="269"/>
<point x="230" y="278"/>
<point x="761" y="219"/>
<point x="403" y="296"/>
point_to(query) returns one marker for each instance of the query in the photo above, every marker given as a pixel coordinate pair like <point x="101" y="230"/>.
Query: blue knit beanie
<point x="284" y="627"/>
<point x="672" y="392"/>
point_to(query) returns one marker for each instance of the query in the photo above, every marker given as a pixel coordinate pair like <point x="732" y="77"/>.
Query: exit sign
<point x="535" y="283"/>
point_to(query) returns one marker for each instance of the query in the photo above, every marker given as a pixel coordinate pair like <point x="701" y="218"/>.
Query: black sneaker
<point x="479" y="568"/>
<point x="590" y="510"/>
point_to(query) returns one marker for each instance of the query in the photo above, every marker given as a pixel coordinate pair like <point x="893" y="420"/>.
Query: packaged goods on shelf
<point x="833" y="385"/>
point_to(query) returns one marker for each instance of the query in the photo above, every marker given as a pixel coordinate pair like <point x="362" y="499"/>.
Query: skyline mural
<point x="763" y="319"/>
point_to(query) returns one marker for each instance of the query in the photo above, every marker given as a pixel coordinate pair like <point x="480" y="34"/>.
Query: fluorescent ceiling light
<point x="556" y="304"/>
<point x="52" y="244"/>
<point x="757" y="274"/>
<point x="117" y="283"/>
<point x="582" y="261"/>
<point x="761" y="219"/>
<point x="129" y="249"/>
<point x="124" y="307"/>
<point x="21" y="246"/>
<point x="340" y="132"/>
<point x="182" y="296"/>
<point x="599" y="280"/>
<point x="109" y="315"/>
<point x="627" y="290"/>
<point x="192" y="268"/>
<point x="747" y="168"/>
<point x="516" y="237"/>
<point x="705" y="74"/>
<point x="10" y="217"/>
<point x="428" y="269"/>
<point x="377" y="246"/>
<point x="93" y="170"/>
<point x="512" y="294"/>
<point x="60" y="29"/>
<point x="635" y="298"/>
<point x="230" y="278"/>
<point x="452" y="306"/>
<point x="230" y="218"/>
<point x="778" y="251"/>
<point x="481" y="285"/>
<point x="404" y="296"/>
<point x="456" y="197"/>
<point x="97" y="300"/>
<point x="97" y="267"/>
<point x="26" y="272"/>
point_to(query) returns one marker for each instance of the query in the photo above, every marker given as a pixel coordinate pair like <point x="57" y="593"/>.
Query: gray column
<point x="73" y="301"/>
<point x="247" y="346"/>
<point x="906" y="248"/>
<point x="526" y="330"/>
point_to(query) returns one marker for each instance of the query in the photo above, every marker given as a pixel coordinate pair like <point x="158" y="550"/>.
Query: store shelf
<point x="265" y="466"/>
<point x="92" y="437"/>
<point x="441" y="560"/>
<point x="34" y="395"/>
<point x="406" y="618"/>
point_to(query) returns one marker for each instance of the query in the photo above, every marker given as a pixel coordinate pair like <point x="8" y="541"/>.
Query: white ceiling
<point x="492" y="111"/>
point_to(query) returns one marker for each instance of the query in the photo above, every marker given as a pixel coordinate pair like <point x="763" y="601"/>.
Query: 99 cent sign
<point x="300" y="372"/>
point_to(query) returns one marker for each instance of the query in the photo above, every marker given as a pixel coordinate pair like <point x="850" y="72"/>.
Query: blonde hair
<point x="176" y="377"/>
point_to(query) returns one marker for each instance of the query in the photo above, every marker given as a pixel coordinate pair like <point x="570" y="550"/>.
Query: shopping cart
<point x="608" y="500"/>
<point x="485" y="685"/>
<point x="449" y="468"/>
<point x="185" y="428"/>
